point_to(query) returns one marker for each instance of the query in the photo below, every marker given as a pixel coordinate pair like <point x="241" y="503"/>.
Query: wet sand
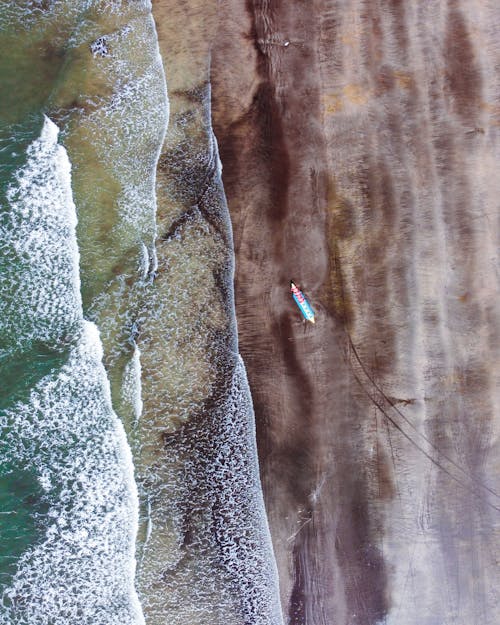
<point x="358" y="144"/>
<point x="206" y="553"/>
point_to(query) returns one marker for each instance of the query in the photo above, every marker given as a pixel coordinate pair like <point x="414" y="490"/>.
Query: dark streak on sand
<point x="346" y="167"/>
<point x="275" y="177"/>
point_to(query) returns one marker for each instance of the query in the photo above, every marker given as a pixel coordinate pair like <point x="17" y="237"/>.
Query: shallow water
<point x="118" y="338"/>
<point x="69" y="500"/>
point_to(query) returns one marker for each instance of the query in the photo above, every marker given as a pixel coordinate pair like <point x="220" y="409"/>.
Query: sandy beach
<point x="177" y="444"/>
<point x="357" y="144"/>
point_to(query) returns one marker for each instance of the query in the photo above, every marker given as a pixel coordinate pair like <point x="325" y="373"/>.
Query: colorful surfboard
<point x="302" y="303"/>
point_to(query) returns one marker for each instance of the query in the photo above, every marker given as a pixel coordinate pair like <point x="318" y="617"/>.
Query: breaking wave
<point x="63" y="431"/>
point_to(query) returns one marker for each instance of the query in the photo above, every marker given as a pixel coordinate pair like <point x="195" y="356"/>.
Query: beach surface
<point x="358" y="144"/>
<point x="177" y="445"/>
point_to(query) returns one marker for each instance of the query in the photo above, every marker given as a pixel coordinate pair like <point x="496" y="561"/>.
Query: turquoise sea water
<point x="20" y="492"/>
<point x="68" y="500"/>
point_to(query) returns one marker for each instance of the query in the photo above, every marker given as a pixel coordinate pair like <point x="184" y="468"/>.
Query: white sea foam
<point x="83" y="569"/>
<point x="132" y="384"/>
<point x="220" y="568"/>
<point x="241" y="526"/>
<point x="27" y="13"/>
<point x="39" y="280"/>
<point x="66" y="431"/>
<point x="129" y="130"/>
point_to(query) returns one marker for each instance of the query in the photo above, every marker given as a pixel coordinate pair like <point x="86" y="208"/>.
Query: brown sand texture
<point x="359" y="143"/>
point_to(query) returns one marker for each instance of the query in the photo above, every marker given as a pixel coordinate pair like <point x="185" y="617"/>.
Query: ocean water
<point x="68" y="501"/>
<point x="114" y="340"/>
<point x="70" y="520"/>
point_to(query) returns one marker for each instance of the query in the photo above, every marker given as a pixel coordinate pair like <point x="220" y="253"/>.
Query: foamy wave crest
<point x="241" y="527"/>
<point x="132" y="387"/>
<point x="39" y="278"/>
<point x="83" y="570"/>
<point x="65" y="431"/>
<point x="27" y="13"/>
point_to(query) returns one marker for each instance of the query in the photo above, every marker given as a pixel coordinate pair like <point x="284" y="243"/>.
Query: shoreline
<point x="200" y="517"/>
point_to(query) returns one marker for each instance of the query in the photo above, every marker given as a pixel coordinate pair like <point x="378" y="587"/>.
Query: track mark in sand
<point x="385" y="399"/>
<point x="393" y="457"/>
<point x="360" y="371"/>
<point x="379" y="403"/>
